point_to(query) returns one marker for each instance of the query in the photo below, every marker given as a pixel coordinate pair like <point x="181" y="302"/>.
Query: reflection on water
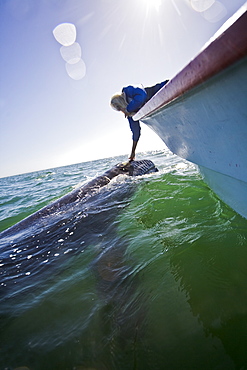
<point x="213" y="275"/>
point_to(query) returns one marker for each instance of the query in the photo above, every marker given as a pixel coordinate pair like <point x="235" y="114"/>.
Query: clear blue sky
<point x="47" y="118"/>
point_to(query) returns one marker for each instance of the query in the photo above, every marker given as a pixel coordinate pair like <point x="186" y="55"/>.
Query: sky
<point x="54" y="98"/>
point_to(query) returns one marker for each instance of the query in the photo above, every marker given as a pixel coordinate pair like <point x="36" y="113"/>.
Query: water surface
<point x="147" y="273"/>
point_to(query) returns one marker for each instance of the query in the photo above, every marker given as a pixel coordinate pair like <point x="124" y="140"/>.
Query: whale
<point x="79" y="220"/>
<point x="66" y="266"/>
<point x="133" y="168"/>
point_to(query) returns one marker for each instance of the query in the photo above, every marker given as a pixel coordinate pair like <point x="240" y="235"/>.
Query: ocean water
<point x="146" y="273"/>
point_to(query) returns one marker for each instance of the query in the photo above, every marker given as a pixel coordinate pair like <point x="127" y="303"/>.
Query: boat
<point x="201" y="113"/>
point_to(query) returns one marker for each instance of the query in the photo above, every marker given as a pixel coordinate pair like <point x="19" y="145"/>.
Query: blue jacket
<point x="135" y="128"/>
<point x="136" y="97"/>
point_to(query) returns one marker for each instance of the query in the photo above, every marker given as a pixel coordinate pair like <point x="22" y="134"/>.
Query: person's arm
<point x="136" y="132"/>
<point x="133" y="151"/>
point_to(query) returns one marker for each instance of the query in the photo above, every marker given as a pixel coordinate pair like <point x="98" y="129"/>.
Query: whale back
<point x="143" y="167"/>
<point x="134" y="168"/>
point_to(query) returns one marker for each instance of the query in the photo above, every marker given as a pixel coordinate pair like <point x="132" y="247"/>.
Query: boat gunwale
<point x="227" y="49"/>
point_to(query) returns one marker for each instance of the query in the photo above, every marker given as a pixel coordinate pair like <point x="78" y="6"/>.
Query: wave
<point x="148" y="272"/>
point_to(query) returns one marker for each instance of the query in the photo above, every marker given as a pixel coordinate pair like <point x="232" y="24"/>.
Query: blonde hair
<point x="119" y="102"/>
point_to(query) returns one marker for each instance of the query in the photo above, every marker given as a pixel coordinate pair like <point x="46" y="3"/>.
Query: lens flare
<point x="76" y="71"/>
<point x="201" y="5"/>
<point x="65" y="33"/>
<point x="71" y="54"/>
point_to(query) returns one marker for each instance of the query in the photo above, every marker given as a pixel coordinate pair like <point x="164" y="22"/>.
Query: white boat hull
<point x="231" y="190"/>
<point x="204" y="119"/>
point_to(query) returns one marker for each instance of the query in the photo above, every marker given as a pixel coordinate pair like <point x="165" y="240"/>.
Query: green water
<point x="190" y="251"/>
<point x="162" y="285"/>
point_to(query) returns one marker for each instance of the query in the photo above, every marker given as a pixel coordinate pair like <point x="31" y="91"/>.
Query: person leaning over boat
<point x="129" y="102"/>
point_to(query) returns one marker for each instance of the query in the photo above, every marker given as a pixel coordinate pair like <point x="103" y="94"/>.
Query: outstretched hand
<point x="133" y="151"/>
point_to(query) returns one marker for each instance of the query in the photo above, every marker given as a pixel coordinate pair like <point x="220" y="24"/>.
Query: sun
<point x="152" y="4"/>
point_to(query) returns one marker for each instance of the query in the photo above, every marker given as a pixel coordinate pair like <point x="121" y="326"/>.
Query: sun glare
<point x="152" y="4"/>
